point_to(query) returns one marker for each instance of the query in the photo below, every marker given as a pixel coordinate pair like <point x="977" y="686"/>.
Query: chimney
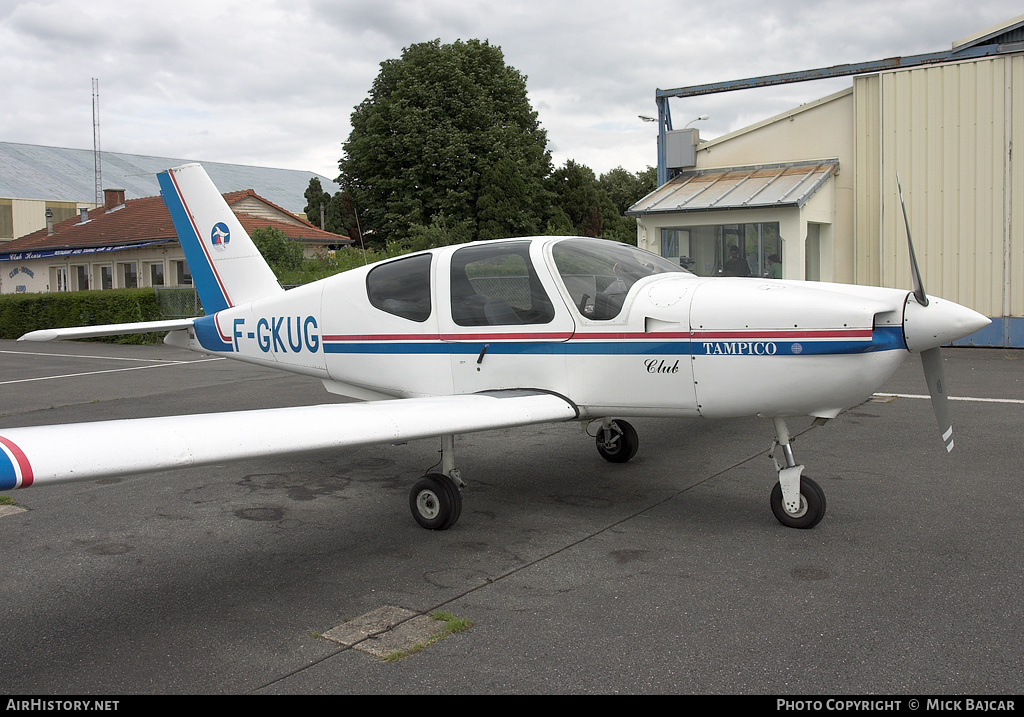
<point x="113" y="198"/>
<point x="83" y="215"/>
<point x="49" y="221"/>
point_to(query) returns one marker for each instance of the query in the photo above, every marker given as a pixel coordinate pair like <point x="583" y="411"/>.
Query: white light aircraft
<point x="497" y="334"/>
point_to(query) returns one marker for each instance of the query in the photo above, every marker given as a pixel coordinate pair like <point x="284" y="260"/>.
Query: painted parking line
<point x="952" y="398"/>
<point x="83" y="356"/>
<point x="162" y="364"/>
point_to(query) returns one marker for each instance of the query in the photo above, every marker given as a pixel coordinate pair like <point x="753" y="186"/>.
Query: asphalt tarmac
<point x="668" y="574"/>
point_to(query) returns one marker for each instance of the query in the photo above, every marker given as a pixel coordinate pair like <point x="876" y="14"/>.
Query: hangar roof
<point x="29" y="171"/>
<point x="762" y="186"/>
<point x="1006" y="32"/>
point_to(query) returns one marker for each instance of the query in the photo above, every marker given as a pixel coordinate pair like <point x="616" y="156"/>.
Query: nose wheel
<point x="796" y="500"/>
<point x="808" y="510"/>
<point x="617" y="441"/>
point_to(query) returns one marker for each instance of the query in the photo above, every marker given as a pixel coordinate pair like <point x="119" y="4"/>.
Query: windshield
<point x="598" y="273"/>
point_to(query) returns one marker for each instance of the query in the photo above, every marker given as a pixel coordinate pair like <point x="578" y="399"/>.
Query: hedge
<point x="21" y="313"/>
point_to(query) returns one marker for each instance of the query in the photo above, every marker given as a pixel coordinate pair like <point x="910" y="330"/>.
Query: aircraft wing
<point x="87" y="332"/>
<point x="54" y="454"/>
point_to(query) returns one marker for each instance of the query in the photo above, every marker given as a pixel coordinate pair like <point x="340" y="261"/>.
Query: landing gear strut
<point x="436" y="498"/>
<point x="796" y="500"/>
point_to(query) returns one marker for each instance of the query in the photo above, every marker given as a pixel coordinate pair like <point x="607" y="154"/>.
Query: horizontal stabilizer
<point x="88" y="332"/>
<point x="126" y="447"/>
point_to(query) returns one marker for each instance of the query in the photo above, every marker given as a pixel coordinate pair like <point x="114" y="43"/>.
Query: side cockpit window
<point x="402" y="287"/>
<point x="496" y="285"/>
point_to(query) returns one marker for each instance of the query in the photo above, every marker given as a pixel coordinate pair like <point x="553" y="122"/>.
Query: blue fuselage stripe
<point x="883" y="339"/>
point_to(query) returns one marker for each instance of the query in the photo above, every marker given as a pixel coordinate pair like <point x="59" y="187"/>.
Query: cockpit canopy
<point x="497" y="283"/>
<point x="599" y="274"/>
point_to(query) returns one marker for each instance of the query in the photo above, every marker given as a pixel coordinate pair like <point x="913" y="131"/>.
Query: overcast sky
<point x="274" y="82"/>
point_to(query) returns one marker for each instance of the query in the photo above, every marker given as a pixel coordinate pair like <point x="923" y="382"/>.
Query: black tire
<point x="455" y="495"/>
<point x="623" y="443"/>
<point x="435" y="502"/>
<point x="812" y="505"/>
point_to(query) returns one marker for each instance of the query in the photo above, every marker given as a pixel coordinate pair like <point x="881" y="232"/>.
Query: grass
<point x="451" y="626"/>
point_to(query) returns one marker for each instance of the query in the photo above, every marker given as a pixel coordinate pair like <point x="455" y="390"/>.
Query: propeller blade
<point x="915" y="273"/>
<point x="925" y="329"/>
<point x="931" y="359"/>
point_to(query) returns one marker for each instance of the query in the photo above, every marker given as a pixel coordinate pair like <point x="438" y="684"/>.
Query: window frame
<point x="403" y="287"/>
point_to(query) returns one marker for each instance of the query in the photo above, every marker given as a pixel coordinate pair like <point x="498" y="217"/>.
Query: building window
<point x="182" y="273"/>
<point x="104" y="277"/>
<point x="707" y="250"/>
<point x="79" y="278"/>
<point x="675" y="246"/>
<point x="59" y="279"/>
<point x="155" y="272"/>
<point x="128" y="273"/>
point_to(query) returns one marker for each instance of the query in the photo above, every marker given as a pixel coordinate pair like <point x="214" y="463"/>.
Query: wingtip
<point x="39" y="335"/>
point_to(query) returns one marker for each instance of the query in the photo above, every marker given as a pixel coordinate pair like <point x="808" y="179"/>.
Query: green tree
<point x="280" y="252"/>
<point x="586" y="205"/>
<point x="579" y="197"/>
<point x="625" y="188"/>
<point x="339" y="216"/>
<point x="315" y="198"/>
<point x="446" y="138"/>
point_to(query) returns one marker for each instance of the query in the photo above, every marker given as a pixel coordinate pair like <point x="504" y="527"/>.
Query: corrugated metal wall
<point x="948" y="131"/>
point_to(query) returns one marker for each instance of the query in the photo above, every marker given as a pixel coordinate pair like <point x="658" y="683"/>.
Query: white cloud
<point x="274" y="83"/>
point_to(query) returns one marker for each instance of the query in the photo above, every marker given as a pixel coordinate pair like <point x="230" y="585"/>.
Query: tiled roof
<point x="146" y="220"/>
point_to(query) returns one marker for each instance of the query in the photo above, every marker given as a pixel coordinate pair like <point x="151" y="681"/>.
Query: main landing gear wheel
<point x="435" y="501"/>
<point x="617" y="441"/>
<point x="810" y="511"/>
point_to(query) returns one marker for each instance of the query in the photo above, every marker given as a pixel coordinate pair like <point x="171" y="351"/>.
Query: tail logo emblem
<point x="220" y="235"/>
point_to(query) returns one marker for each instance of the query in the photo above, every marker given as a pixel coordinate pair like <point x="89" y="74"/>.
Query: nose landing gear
<point x="796" y="500"/>
<point x="617" y="441"/>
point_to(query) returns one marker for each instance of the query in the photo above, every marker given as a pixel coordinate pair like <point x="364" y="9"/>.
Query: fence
<point x="178" y="302"/>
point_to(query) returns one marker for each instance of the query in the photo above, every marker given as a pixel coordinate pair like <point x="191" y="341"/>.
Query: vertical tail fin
<point x="226" y="266"/>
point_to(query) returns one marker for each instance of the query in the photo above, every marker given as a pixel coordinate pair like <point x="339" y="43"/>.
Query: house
<point x="131" y="243"/>
<point x="815" y="189"/>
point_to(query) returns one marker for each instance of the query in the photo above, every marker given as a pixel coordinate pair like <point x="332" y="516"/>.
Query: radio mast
<point x="96" y="140"/>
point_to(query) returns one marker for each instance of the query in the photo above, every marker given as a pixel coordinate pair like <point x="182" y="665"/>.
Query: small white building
<point x="816" y="186"/>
